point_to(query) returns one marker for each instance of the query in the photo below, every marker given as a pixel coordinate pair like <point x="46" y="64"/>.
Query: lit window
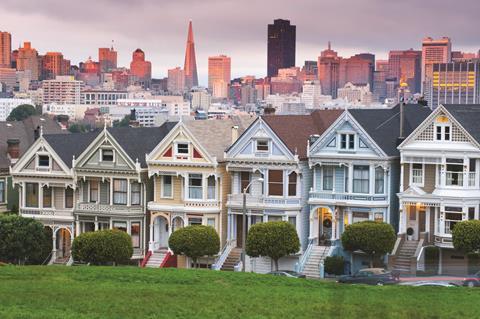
<point x="262" y="146"/>
<point x="107" y="155"/>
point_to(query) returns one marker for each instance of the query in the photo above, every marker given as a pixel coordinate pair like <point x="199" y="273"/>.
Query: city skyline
<point x="161" y="35"/>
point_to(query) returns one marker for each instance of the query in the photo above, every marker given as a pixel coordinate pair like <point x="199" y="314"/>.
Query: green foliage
<point x="373" y="238"/>
<point x="22" y="112"/>
<point x="23" y="240"/>
<point x="103" y="247"/>
<point x="125" y="122"/>
<point x="466" y="236"/>
<point x="78" y="128"/>
<point x="195" y="241"/>
<point x="272" y="239"/>
<point x="334" y="265"/>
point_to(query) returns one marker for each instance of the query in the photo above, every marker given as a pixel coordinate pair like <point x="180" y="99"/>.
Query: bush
<point x="334" y="265"/>
<point x="23" y="240"/>
<point x="373" y="238"/>
<point x="195" y="241"/>
<point x="466" y="236"/>
<point x="272" y="239"/>
<point x="103" y="247"/>
<point x="22" y="112"/>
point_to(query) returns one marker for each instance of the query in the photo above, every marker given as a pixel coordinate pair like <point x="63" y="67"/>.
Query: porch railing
<point x="262" y="200"/>
<point x="345" y="196"/>
<point x="46" y="212"/>
<point x="105" y="208"/>
<point x="306" y="255"/>
<point x="224" y="254"/>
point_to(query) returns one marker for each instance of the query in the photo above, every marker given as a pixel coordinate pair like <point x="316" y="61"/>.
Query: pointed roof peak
<point x="190" y="32"/>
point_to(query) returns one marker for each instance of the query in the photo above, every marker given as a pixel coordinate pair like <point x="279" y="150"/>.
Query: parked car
<point x="287" y="273"/>
<point x="429" y="284"/>
<point x="371" y="276"/>
<point x="472" y="280"/>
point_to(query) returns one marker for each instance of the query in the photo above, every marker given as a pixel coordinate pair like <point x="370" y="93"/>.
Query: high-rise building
<point x="53" y="64"/>
<point x="357" y="69"/>
<point x="176" y="81"/>
<point x="328" y="71"/>
<point x="405" y="66"/>
<point x="140" y="69"/>
<point x="310" y="70"/>
<point x="454" y="83"/>
<point x="62" y="90"/>
<point x="27" y="60"/>
<point x="8" y="79"/>
<point x="434" y="51"/>
<point x="201" y="99"/>
<point x="281" y="46"/>
<point x="190" y="66"/>
<point x="107" y="57"/>
<point x="379" y="85"/>
<point x="219" y="75"/>
<point x="5" y="49"/>
<point x="311" y="94"/>
<point x="356" y="93"/>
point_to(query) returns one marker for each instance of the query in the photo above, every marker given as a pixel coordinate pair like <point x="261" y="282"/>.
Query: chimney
<point x="36" y="133"/>
<point x="133" y="119"/>
<point x="269" y="111"/>
<point x="13" y="149"/>
<point x="234" y="133"/>
<point x="313" y="138"/>
<point x="402" y="120"/>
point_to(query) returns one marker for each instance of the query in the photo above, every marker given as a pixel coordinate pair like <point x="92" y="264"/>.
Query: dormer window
<point x="347" y="141"/>
<point x="107" y="155"/>
<point x="43" y="161"/>
<point x="443" y="129"/>
<point x="262" y="145"/>
<point x="182" y="148"/>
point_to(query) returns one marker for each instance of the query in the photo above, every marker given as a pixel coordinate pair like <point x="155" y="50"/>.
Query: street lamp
<point x="244" y="219"/>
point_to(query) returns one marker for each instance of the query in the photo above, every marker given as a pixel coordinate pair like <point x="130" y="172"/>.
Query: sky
<point x="235" y="28"/>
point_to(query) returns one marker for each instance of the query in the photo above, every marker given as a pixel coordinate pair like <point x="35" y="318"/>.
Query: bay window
<point x="379" y="181"/>
<point x="211" y="187"/>
<point x="292" y="184"/>
<point x="275" y="183"/>
<point x="69" y="197"/>
<point x="136" y="193"/>
<point x="120" y="191"/>
<point x="31" y="194"/>
<point x="47" y="197"/>
<point x="135" y="234"/>
<point x="328" y="178"/>
<point x="361" y="179"/>
<point x="167" y="186"/>
<point x="94" y="191"/>
<point x="195" y="186"/>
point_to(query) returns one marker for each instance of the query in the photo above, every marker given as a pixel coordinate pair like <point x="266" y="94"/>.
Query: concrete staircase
<point x="156" y="259"/>
<point x="232" y="259"/>
<point x="317" y="256"/>
<point x="61" y="260"/>
<point x="404" y="255"/>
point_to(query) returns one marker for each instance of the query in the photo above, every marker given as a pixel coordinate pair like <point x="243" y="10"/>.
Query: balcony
<point x="107" y="209"/>
<point x="187" y="205"/>
<point x="262" y="201"/>
<point x="347" y="197"/>
<point x="47" y="213"/>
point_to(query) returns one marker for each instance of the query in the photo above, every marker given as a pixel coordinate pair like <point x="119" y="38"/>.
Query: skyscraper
<point x="328" y="71"/>
<point x="27" y="60"/>
<point x="434" y="51"/>
<point x="219" y="75"/>
<point x="190" y="66"/>
<point x="107" y="57"/>
<point x="176" y="81"/>
<point x="405" y="65"/>
<point x="5" y="49"/>
<point x="141" y="69"/>
<point x="357" y="69"/>
<point x="281" y="46"/>
<point x="54" y="64"/>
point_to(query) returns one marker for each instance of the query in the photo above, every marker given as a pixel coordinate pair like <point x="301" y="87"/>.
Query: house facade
<point x="439" y="186"/>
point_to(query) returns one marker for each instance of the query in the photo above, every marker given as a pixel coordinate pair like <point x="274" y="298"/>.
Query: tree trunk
<point x="371" y="261"/>
<point x="276" y="264"/>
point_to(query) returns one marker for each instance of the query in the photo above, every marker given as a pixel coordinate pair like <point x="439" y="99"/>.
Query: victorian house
<point x="190" y="183"/>
<point x="269" y="164"/>
<point x="439" y="187"/>
<point x="355" y="165"/>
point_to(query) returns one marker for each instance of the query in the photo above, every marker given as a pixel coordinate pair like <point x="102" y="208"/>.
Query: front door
<point x="239" y="222"/>
<point x="412" y="223"/>
<point x="161" y="233"/>
<point x="325" y="225"/>
<point x="63" y="243"/>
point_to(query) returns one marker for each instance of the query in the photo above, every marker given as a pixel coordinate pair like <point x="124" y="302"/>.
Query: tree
<point x="78" y="128"/>
<point x="272" y="239"/>
<point x="125" y="122"/>
<point x="23" y="240"/>
<point x="22" y="112"/>
<point x="195" y="241"/>
<point x="373" y="238"/>
<point x="466" y="236"/>
<point x="103" y="247"/>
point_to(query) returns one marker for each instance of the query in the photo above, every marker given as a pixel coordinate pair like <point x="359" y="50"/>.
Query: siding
<point x="58" y="197"/>
<point x="225" y="180"/>
<point x="406" y="176"/>
<point x="304" y="218"/>
<point x="105" y="193"/>
<point x="177" y="191"/>
<point x="429" y="184"/>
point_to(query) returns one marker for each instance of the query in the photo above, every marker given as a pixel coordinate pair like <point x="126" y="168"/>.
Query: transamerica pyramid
<point x="190" y="67"/>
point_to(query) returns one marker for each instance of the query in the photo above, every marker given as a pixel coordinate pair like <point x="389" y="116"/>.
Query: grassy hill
<point x="127" y="292"/>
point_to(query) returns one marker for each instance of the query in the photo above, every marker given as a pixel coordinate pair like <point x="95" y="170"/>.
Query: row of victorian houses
<point x="408" y="166"/>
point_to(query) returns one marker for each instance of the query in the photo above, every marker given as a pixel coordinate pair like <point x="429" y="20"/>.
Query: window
<point x="452" y="218"/>
<point x="378" y="217"/>
<point x="361" y="179"/>
<point x="443" y="132"/>
<point x="417" y="174"/>
<point x="255" y="219"/>
<point x="177" y="223"/>
<point x="2" y="190"/>
<point x="194" y="221"/>
<point x="136" y="193"/>
<point x="471" y="213"/>
<point x="94" y="191"/>
<point x="120" y="191"/>
<point x="195" y="186"/>
<point x="167" y="186"/>
<point x="273" y="218"/>
<point x="182" y="148"/>
<point x="68" y="197"/>
<point x="43" y="160"/>
<point x="454" y="174"/>
<point x="107" y="155"/>
<point x="379" y="180"/>
<point x="328" y="178"/>
<point x="120" y="225"/>
<point x="292" y="184"/>
<point x="346" y="170"/>
<point x="262" y="146"/>
<point x="211" y="222"/>
<point x="211" y="187"/>
<point x="31" y="198"/>
<point x="135" y="234"/>
<point x="359" y="217"/>
<point x="244" y="181"/>
<point x="47" y="197"/>
<point x="275" y="183"/>
<point x="292" y="220"/>
<point x="347" y="141"/>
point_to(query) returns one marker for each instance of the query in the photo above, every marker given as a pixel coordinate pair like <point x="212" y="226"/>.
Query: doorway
<point x="64" y="243"/>
<point x="160" y="233"/>
<point x="324" y="225"/>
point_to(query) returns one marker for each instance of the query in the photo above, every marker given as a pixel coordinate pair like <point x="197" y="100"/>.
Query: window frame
<point x="102" y="155"/>
<point x="68" y="197"/>
<point x="132" y="224"/>
<point x="275" y="183"/>
<point x="349" y="144"/>
<point x="292" y="190"/>
<point x="191" y="187"/>
<point x="49" y="166"/>
<point x="377" y="180"/>
<point x="122" y="181"/>
<point x="176" y="148"/>
<point x="47" y="195"/>
<point x="244" y="183"/>
<point x="91" y="189"/>
<point x="441" y="129"/>
<point x="36" y="187"/>
<point x="412" y="181"/>
<point x="354" y="190"/>
<point x="326" y="168"/>
<point x="267" y="146"/>
<point x="162" y="180"/>
<point x="210" y="187"/>
<point x="139" y="192"/>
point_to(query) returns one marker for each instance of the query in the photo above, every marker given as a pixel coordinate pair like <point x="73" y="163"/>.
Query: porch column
<point x="440" y="261"/>
<point x="111" y="192"/>
<point x="96" y="223"/>
<point x="77" y="227"/>
<point x="350" y="178"/>
<point x="129" y="189"/>
<point x="40" y="195"/>
<point x="54" y="244"/>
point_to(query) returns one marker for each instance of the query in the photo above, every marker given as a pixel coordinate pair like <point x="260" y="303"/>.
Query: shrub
<point x="466" y="236"/>
<point x="195" y="241"/>
<point x="272" y="239"/>
<point x="103" y="247"/>
<point x="23" y="240"/>
<point x="22" y="112"/>
<point x="373" y="238"/>
<point x="334" y="265"/>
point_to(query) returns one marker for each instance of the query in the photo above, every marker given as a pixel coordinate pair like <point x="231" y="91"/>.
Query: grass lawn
<point x="128" y="292"/>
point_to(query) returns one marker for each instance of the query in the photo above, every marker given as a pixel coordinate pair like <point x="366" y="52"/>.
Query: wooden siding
<point x="406" y="176"/>
<point x="429" y="183"/>
<point x="225" y="180"/>
<point x="58" y="195"/>
<point x="177" y="191"/>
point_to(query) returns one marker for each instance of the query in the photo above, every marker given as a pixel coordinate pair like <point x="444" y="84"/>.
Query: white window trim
<point x="442" y="133"/>
<point x="175" y="149"/>
<point x="348" y="134"/>
<point x="411" y="175"/>
<point x="269" y="146"/>
<point x="333" y="178"/>
<point x="162" y="195"/>
<point x="4" y="181"/>
<point x="37" y="159"/>
<point x="113" y="153"/>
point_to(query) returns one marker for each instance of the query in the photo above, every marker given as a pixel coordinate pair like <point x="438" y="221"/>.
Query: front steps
<point x="232" y="259"/>
<point x="317" y="256"/>
<point x="404" y="256"/>
<point x="156" y="259"/>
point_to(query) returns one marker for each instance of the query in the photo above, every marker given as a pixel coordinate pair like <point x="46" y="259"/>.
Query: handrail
<point x="48" y="258"/>
<point x="224" y="254"/>
<point x="145" y="260"/>
<point x="398" y="243"/>
<point x="306" y="254"/>
<point x="165" y="259"/>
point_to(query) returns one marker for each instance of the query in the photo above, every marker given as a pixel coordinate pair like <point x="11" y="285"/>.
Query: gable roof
<point x="294" y="130"/>
<point x="216" y="135"/>
<point x="67" y="146"/>
<point x="24" y="132"/>
<point x="468" y="115"/>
